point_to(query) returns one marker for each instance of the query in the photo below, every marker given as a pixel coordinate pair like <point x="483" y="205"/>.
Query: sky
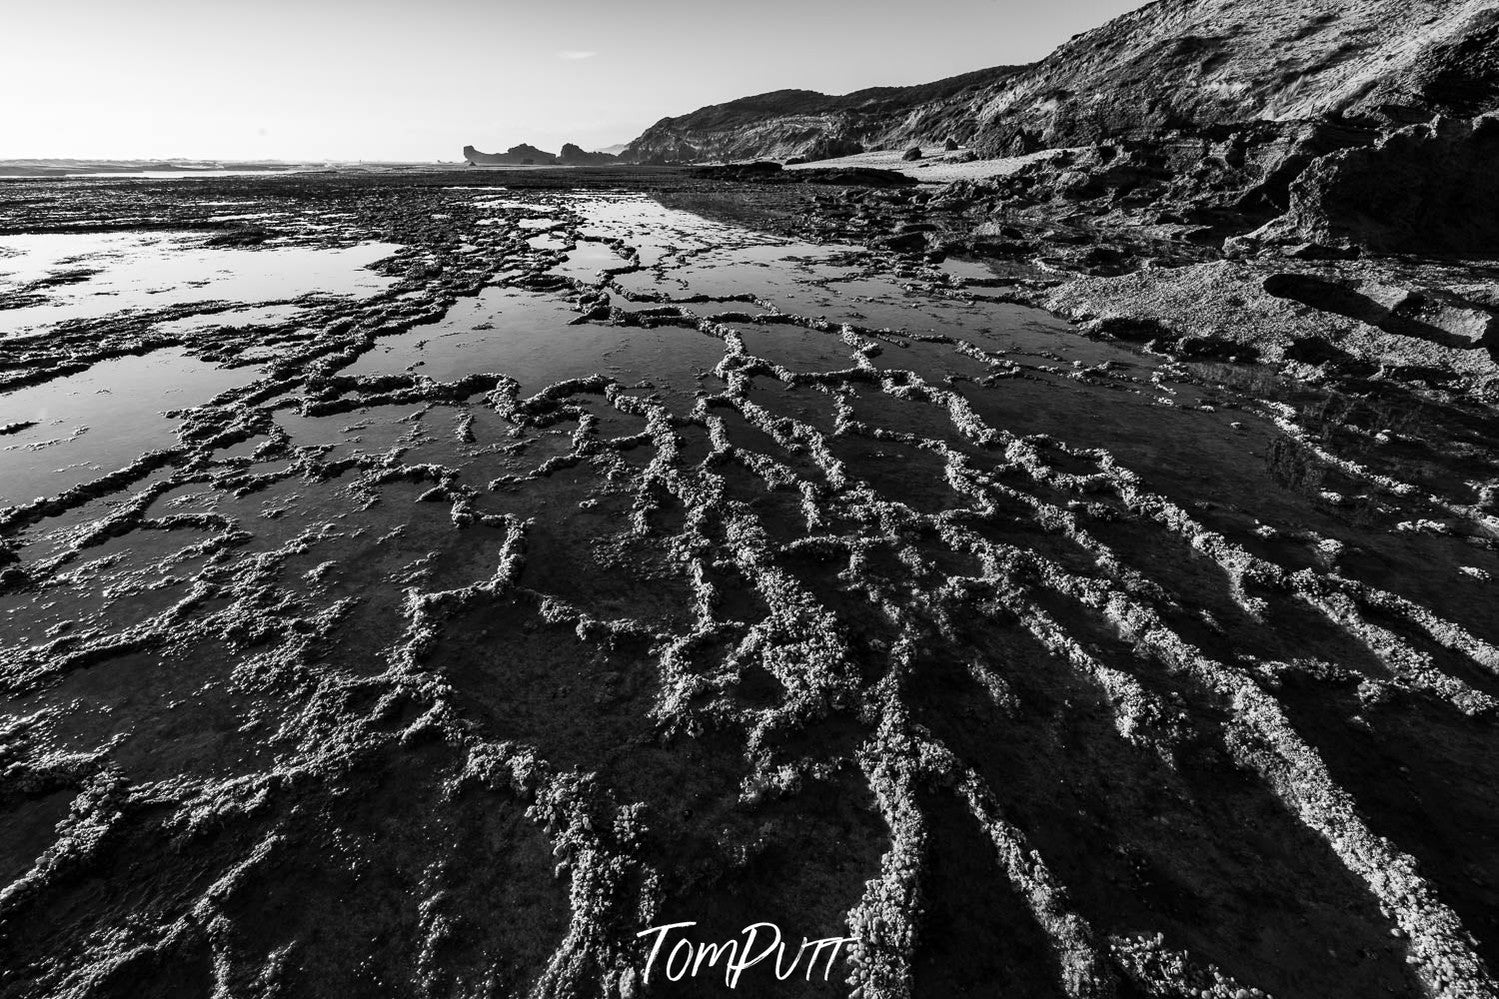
<point x="401" y="80"/>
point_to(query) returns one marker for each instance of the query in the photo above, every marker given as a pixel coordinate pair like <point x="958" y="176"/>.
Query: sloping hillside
<point x="1194" y="65"/>
<point x="801" y="122"/>
<point x="1175" y="65"/>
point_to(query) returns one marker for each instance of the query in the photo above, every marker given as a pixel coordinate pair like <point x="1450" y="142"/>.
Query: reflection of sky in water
<point x="687" y="255"/>
<point x="586" y="260"/>
<point x="265" y="315"/>
<point x="655" y="231"/>
<point x="101" y="419"/>
<point x="971" y="270"/>
<point x="155" y="270"/>
<point x="530" y="336"/>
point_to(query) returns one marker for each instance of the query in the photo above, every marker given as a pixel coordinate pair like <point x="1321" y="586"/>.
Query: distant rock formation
<point x="521" y="155"/>
<point x="572" y="155"/>
<point x="800" y="123"/>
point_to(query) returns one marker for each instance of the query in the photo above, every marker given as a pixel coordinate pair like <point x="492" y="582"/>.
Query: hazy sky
<point x="390" y="79"/>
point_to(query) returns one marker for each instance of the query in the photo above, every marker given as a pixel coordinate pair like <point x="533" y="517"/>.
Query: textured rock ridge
<point x="1199" y="65"/>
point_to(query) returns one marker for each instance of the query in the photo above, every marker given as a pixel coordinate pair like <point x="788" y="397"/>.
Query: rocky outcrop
<point x="829" y="147"/>
<point x="572" y="155"/>
<point x="521" y="155"/>
<point x="1422" y="189"/>
<point x="770" y="172"/>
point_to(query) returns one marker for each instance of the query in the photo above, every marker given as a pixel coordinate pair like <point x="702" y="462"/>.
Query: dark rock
<point x="1319" y="251"/>
<point x="1314" y="350"/>
<point x="762" y="170"/>
<point x="1422" y="189"/>
<point x="1003" y="248"/>
<point x="1434" y="315"/>
<point x="830" y="147"/>
<point x="520" y="155"/>
<point x="854" y="176"/>
<point x="911" y="242"/>
<point x="914" y="153"/>
<point x="1129" y="328"/>
<point x="239" y="236"/>
<point x="572" y="155"/>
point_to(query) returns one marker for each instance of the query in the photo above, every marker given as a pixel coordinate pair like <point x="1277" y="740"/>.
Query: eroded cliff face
<point x="1203" y="65"/>
<point x="1422" y="189"/>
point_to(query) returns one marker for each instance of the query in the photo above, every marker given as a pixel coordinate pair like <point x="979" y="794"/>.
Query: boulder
<point x="1421" y="189"/>
<point x="828" y="147"/>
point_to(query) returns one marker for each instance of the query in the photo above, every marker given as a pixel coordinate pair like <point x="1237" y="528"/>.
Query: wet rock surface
<point x="1167" y="246"/>
<point x="570" y="562"/>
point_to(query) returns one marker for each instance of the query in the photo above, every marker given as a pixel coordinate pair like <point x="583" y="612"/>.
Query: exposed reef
<point x="584" y="564"/>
